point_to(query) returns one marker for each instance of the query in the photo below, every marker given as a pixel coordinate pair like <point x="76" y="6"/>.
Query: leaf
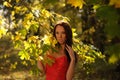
<point x="29" y="16"/>
<point x="45" y="48"/>
<point x="21" y="54"/>
<point x="114" y="52"/>
<point x="51" y="1"/>
<point x="24" y="55"/>
<point x="17" y="37"/>
<point x="23" y="32"/>
<point x="46" y="13"/>
<point x="76" y="3"/>
<point x="113" y="59"/>
<point x="46" y="39"/>
<point x="113" y="49"/>
<point x="74" y="32"/>
<point x="17" y="1"/>
<point x="112" y="29"/>
<point x="116" y="3"/>
<point x="2" y="31"/>
<point x="96" y="6"/>
<point x="33" y="28"/>
<point x="110" y="17"/>
<point x="93" y="1"/>
<point x="13" y="66"/>
<point x="26" y="45"/>
<point x="7" y="4"/>
<point x="107" y="12"/>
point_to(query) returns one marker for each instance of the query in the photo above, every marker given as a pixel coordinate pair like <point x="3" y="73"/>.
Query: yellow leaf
<point x="46" y="40"/>
<point x="12" y="16"/>
<point x="26" y="44"/>
<point x="2" y="31"/>
<point x="20" y="9"/>
<point x="17" y="1"/>
<point x="45" y="13"/>
<point x="74" y="32"/>
<point x="17" y="37"/>
<point x="17" y="8"/>
<point x="116" y="3"/>
<point x="96" y="6"/>
<point x="7" y="4"/>
<point x="32" y="62"/>
<point x="49" y="40"/>
<point x="29" y="16"/>
<point x="9" y="0"/>
<point x="92" y="30"/>
<point x="76" y="3"/>
<point x="33" y="38"/>
<point x="13" y="13"/>
<point x="113" y="59"/>
<point x="1" y="22"/>
<point x="24" y="63"/>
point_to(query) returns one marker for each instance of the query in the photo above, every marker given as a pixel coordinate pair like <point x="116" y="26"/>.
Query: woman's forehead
<point x="59" y="27"/>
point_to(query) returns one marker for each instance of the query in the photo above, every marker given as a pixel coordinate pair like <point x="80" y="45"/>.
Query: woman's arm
<point x="70" y="71"/>
<point x="41" y="66"/>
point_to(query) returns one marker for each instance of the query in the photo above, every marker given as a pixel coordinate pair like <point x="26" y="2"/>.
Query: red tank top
<point x="58" y="69"/>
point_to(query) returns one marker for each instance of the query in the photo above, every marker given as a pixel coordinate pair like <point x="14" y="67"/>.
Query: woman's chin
<point x="61" y="43"/>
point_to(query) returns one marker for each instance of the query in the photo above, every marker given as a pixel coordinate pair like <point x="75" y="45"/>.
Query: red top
<point x="58" y="69"/>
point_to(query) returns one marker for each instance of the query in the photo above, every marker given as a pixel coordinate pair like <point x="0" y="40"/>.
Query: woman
<point x="64" y="59"/>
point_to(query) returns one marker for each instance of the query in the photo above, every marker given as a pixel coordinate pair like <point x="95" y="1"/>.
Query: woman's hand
<point x="70" y="71"/>
<point x="71" y="52"/>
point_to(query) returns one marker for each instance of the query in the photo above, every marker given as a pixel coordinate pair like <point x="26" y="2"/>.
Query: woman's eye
<point x="57" y="33"/>
<point x="63" y="32"/>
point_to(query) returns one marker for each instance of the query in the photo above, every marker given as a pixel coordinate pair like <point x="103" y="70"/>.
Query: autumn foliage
<point x="28" y="26"/>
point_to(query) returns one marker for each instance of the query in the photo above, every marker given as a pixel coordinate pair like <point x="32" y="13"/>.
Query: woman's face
<point x="60" y="34"/>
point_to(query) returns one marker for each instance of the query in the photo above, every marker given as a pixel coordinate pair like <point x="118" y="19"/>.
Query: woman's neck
<point x="62" y="46"/>
<point x="61" y="49"/>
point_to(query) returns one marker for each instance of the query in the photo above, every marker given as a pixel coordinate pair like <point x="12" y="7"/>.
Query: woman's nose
<point x="60" y="35"/>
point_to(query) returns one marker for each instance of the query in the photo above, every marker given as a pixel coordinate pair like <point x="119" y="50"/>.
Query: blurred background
<point x="26" y="29"/>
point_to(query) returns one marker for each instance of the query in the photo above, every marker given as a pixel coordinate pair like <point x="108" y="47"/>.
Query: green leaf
<point x="110" y="17"/>
<point x="107" y="12"/>
<point x="114" y="52"/>
<point x="45" y="48"/>
<point x="113" y="49"/>
<point x="33" y="28"/>
<point x="23" y="31"/>
<point x="112" y="29"/>
<point x="93" y="1"/>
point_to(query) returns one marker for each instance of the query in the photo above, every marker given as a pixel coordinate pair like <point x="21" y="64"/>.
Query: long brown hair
<point x="68" y="33"/>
